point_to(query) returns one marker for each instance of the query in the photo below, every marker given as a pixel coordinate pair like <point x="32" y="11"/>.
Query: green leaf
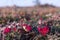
<point x="7" y="37"/>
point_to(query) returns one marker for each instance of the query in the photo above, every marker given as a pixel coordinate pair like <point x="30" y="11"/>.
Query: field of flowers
<point x="30" y="27"/>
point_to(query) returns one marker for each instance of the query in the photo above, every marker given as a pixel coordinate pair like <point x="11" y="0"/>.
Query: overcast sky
<point x="25" y="3"/>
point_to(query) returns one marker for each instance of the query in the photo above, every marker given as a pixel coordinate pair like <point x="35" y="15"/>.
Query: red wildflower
<point x="14" y="29"/>
<point x="7" y="30"/>
<point x="43" y="31"/>
<point x="27" y="27"/>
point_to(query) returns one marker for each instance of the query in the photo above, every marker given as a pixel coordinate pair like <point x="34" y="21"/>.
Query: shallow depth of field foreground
<point x="30" y="27"/>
